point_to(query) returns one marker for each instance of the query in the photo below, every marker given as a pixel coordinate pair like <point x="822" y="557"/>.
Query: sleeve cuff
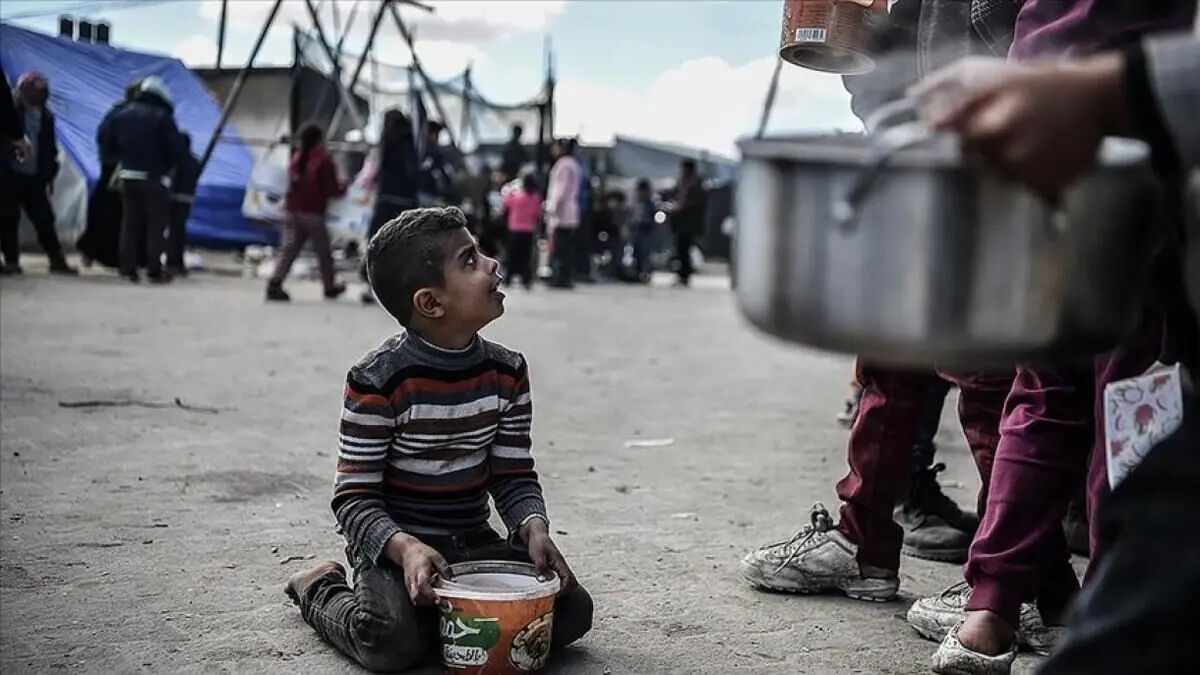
<point x="376" y="536"/>
<point x="522" y="512"/>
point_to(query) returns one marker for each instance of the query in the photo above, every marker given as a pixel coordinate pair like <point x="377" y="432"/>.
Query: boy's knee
<point x="572" y="617"/>
<point x="389" y="645"/>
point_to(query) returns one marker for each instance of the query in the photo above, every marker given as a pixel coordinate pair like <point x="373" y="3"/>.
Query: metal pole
<point x="416" y="65"/>
<point x="333" y="58"/>
<point x="236" y="90"/>
<point x="337" y="66"/>
<point x="465" y="122"/>
<point x="770" y="102"/>
<point x="221" y="25"/>
<point x="362" y="62"/>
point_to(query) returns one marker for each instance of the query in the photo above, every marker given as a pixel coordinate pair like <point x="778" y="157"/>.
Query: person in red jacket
<point x="314" y="181"/>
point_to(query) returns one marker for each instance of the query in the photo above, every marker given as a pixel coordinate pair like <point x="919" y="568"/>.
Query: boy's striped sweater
<point x="426" y="435"/>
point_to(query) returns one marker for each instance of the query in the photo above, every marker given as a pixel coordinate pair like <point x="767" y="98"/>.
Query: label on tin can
<point x="811" y="34"/>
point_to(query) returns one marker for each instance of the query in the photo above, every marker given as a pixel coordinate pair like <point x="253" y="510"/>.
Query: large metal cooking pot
<point x="891" y="247"/>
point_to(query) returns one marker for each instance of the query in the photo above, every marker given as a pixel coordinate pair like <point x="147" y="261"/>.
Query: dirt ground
<point x="143" y="539"/>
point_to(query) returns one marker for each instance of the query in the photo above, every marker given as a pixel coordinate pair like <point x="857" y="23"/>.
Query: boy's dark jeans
<point x="376" y="624"/>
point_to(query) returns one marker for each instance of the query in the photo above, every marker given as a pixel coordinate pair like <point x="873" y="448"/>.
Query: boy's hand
<point x="544" y="554"/>
<point x="420" y="564"/>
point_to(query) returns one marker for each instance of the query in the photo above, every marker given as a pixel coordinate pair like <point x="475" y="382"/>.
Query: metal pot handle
<point x="887" y="143"/>
<point x="890" y="111"/>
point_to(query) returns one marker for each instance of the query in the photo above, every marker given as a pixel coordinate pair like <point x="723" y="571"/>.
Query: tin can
<point x="831" y="36"/>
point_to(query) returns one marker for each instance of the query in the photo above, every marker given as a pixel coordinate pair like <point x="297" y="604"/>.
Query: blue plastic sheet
<point x="87" y="79"/>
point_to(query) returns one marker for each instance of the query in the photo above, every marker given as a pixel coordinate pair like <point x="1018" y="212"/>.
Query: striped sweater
<point x="427" y="434"/>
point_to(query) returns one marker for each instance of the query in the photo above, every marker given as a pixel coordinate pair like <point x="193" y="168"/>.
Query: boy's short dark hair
<point x="409" y="253"/>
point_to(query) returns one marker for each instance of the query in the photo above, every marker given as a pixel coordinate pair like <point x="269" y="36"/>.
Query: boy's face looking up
<point x="428" y="272"/>
<point x="469" y="299"/>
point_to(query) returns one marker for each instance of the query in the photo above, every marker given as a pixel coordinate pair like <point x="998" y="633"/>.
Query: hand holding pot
<point x="1040" y="125"/>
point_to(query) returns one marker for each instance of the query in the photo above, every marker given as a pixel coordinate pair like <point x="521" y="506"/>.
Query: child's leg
<point x="375" y="623"/>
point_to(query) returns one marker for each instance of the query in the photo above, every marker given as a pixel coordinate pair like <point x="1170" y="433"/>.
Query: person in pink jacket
<point x="522" y="209"/>
<point x="562" y="213"/>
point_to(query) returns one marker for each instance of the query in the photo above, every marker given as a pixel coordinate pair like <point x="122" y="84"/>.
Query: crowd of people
<point x="587" y="238"/>
<point x="139" y="209"/>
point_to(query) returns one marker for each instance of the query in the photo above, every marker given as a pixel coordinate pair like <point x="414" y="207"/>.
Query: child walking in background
<point x="435" y="420"/>
<point x="314" y="182"/>
<point x="523" y="208"/>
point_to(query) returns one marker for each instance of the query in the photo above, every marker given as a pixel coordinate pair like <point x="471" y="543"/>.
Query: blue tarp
<point x="85" y="81"/>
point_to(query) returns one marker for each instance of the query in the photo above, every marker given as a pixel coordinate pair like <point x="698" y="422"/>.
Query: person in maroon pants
<point x="1053" y="421"/>
<point x="859" y="555"/>
<point x="314" y="182"/>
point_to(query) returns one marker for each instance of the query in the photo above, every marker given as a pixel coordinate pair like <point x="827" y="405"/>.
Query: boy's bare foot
<point x="983" y="631"/>
<point x="299" y="582"/>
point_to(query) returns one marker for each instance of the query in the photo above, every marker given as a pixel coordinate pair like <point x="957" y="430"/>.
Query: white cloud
<point x="451" y="20"/>
<point x="197" y="50"/>
<point x="705" y="103"/>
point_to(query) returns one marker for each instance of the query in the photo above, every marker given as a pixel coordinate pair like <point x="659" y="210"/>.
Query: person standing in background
<point x="585" y="234"/>
<point x="142" y="138"/>
<point x="12" y="128"/>
<point x="396" y="180"/>
<point x="314" y="182"/>
<point x="514" y="156"/>
<point x="687" y="218"/>
<point x="641" y="227"/>
<point x="437" y="178"/>
<point x="183" y="194"/>
<point x="522" y="209"/>
<point x="99" y="242"/>
<point x="562" y="212"/>
<point x="27" y="173"/>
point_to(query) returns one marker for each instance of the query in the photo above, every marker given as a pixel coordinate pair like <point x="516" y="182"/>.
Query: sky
<point x="683" y="71"/>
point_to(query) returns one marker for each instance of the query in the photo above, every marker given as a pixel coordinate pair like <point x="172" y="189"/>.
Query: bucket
<point x="831" y="36"/>
<point x="496" y="618"/>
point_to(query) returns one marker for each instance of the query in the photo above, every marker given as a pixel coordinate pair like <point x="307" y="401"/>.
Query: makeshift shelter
<point x="85" y="81"/>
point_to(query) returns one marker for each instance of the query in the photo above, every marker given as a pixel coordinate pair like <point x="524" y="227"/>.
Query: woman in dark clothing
<point x="314" y="182"/>
<point x="395" y="179"/>
<point x="99" y="242"/>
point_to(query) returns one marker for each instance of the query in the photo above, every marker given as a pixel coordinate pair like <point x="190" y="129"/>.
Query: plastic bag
<point x="267" y="188"/>
<point x="349" y="218"/>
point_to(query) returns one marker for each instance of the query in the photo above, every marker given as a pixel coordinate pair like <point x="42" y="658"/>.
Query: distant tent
<point x="85" y="81"/>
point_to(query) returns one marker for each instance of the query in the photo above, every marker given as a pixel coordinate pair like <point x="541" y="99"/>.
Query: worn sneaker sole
<point x="1031" y="634"/>
<point x="869" y="590"/>
<point x="956" y="556"/>
<point x="930" y="626"/>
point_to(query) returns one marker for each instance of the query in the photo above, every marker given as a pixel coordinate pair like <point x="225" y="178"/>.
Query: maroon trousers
<point x="298" y="229"/>
<point x="881" y="443"/>
<point x="1051" y="439"/>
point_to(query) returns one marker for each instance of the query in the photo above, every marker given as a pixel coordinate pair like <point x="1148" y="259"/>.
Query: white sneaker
<point x="818" y="559"/>
<point x="934" y="617"/>
<point x="952" y="658"/>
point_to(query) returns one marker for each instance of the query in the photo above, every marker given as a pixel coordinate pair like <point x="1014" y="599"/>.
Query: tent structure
<point x="85" y="80"/>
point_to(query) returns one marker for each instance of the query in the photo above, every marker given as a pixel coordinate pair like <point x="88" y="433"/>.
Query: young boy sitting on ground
<point x="435" y="420"/>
